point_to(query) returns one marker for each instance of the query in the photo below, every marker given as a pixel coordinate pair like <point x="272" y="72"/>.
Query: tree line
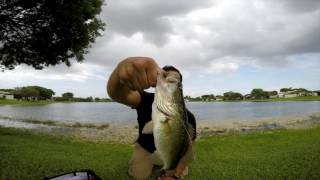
<point x="31" y="93"/>
<point x="256" y="93"/>
<point x="68" y="96"/>
<point x="36" y="93"/>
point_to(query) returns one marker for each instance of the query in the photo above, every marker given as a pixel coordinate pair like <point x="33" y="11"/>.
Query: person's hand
<point x="167" y="178"/>
<point x="168" y="175"/>
<point x="138" y="73"/>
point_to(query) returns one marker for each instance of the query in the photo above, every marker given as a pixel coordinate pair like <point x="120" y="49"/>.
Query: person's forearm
<point x="184" y="161"/>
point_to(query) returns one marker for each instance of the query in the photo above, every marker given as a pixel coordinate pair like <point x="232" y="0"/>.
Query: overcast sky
<point x="218" y="45"/>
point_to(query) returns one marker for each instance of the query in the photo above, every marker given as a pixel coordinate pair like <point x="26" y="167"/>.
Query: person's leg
<point x="156" y="160"/>
<point x="140" y="165"/>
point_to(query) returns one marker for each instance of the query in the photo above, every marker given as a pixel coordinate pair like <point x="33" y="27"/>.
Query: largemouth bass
<point x="171" y="130"/>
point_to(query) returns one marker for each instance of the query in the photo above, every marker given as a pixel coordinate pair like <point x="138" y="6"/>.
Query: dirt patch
<point x="260" y="125"/>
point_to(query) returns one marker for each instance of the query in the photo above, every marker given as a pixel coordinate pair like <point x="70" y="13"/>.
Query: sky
<point x="218" y="46"/>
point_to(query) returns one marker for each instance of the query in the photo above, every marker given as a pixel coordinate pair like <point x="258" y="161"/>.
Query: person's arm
<point x="131" y="76"/>
<point x="184" y="162"/>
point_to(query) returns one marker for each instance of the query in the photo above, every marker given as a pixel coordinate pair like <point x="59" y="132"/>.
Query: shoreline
<point x="301" y="98"/>
<point x="264" y="124"/>
<point x="4" y="102"/>
<point x="127" y="134"/>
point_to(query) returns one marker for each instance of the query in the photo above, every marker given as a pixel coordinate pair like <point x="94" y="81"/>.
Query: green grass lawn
<point x="281" y="154"/>
<point x="16" y="102"/>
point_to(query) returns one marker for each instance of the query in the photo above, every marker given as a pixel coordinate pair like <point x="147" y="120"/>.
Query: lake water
<point x="115" y="113"/>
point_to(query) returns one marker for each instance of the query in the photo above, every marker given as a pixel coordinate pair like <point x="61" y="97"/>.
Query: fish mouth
<point x="166" y="76"/>
<point x="172" y="80"/>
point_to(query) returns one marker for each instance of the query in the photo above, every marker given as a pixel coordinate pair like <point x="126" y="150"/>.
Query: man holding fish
<point x="167" y="129"/>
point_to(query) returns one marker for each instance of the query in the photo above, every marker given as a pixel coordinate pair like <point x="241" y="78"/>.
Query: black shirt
<point x="144" y="111"/>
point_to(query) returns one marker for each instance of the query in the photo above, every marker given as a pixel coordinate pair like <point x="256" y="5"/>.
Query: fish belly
<point x="169" y="140"/>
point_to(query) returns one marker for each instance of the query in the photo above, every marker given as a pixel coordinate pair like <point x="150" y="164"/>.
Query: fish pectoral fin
<point x="148" y="128"/>
<point x="164" y="120"/>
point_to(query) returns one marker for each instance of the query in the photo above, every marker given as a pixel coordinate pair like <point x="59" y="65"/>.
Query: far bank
<point x="42" y="102"/>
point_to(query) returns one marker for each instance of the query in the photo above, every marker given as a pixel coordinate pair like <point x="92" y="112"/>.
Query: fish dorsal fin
<point x="148" y="128"/>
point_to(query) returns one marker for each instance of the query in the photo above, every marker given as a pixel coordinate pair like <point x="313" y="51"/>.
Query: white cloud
<point x="223" y="67"/>
<point x="27" y="75"/>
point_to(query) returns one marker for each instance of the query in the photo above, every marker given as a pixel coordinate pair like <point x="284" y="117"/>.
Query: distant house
<point x="247" y="96"/>
<point x="316" y="93"/>
<point x="296" y="93"/>
<point x="291" y="94"/>
<point x="281" y="94"/>
<point x="274" y="96"/>
<point x="6" y="95"/>
<point x="288" y="94"/>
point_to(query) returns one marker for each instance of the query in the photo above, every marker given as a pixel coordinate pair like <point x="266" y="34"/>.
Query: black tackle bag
<point x="75" y="175"/>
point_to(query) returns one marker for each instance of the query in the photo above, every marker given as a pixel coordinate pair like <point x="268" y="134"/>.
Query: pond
<point x="115" y="113"/>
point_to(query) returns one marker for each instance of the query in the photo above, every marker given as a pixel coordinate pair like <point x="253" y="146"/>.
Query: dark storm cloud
<point x="301" y="6"/>
<point x="307" y="43"/>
